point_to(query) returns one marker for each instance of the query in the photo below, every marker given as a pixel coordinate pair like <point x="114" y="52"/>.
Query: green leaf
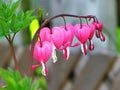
<point x="35" y="85"/>
<point x="11" y="84"/>
<point x="38" y="71"/>
<point x="20" y="15"/>
<point x="14" y="82"/>
<point x="3" y="88"/>
<point x="27" y="83"/>
<point x="10" y="20"/>
<point x="21" y="21"/>
<point x="4" y="28"/>
<point x="10" y="9"/>
<point x="43" y="83"/>
<point x="15" y="6"/>
<point x="14" y="75"/>
<point x="29" y="13"/>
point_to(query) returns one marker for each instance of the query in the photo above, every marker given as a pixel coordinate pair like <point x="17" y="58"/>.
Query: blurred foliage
<point x="43" y="83"/>
<point x="40" y="12"/>
<point x="13" y="81"/>
<point x="118" y="39"/>
<point x="13" y="20"/>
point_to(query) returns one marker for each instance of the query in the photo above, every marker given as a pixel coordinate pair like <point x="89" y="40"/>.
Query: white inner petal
<point x="68" y="52"/>
<point x="54" y="57"/>
<point x="43" y="69"/>
<point x="82" y="48"/>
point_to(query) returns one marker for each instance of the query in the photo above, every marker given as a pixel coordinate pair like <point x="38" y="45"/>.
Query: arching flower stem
<point x="65" y="15"/>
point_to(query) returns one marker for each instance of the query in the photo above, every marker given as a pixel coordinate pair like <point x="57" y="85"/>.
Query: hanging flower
<point x="42" y="53"/>
<point x="45" y="34"/>
<point x="99" y="27"/>
<point x="68" y="38"/>
<point x="55" y="36"/>
<point x="92" y="31"/>
<point x="82" y="33"/>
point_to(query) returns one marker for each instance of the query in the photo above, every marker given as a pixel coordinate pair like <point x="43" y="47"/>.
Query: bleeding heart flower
<point x="82" y="33"/>
<point x="68" y="38"/>
<point x="45" y="34"/>
<point x="99" y="27"/>
<point x="42" y="52"/>
<point x="92" y="30"/>
<point x="68" y="34"/>
<point x="61" y="38"/>
<point x="57" y="40"/>
<point x="55" y="36"/>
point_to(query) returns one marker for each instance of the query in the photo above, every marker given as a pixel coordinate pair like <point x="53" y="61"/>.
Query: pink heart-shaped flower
<point x="99" y="26"/>
<point x="45" y="34"/>
<point x="82" y="33"/>
<point x="68" y="34"/>
<point x="42" y="52"/>
<point x="57" y="36"/>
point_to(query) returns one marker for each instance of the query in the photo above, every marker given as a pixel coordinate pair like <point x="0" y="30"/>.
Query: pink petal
<point x="97" y="34"/>
<point x="37" y="52"/>
<point x="46" y="51"/>
<point x="82" y="33"/>
<point x="45" y="34"/>
<point x="65" y="45"/>
<point x="57" y="36"/>
<point x="75" y="44"/>
<point x="42" y="53"/>
<point x="91" y="45"/>
<point x="67" y="36"/>
<point x="35" y="66"/>
<point x="99" y="26"/>
<point x="70" y="32"/>
<point x="102" y="37"/>
<point x="71" y="28"/>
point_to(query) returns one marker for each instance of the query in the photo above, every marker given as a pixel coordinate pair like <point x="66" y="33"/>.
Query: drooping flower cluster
<point x="61" y="38"/>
